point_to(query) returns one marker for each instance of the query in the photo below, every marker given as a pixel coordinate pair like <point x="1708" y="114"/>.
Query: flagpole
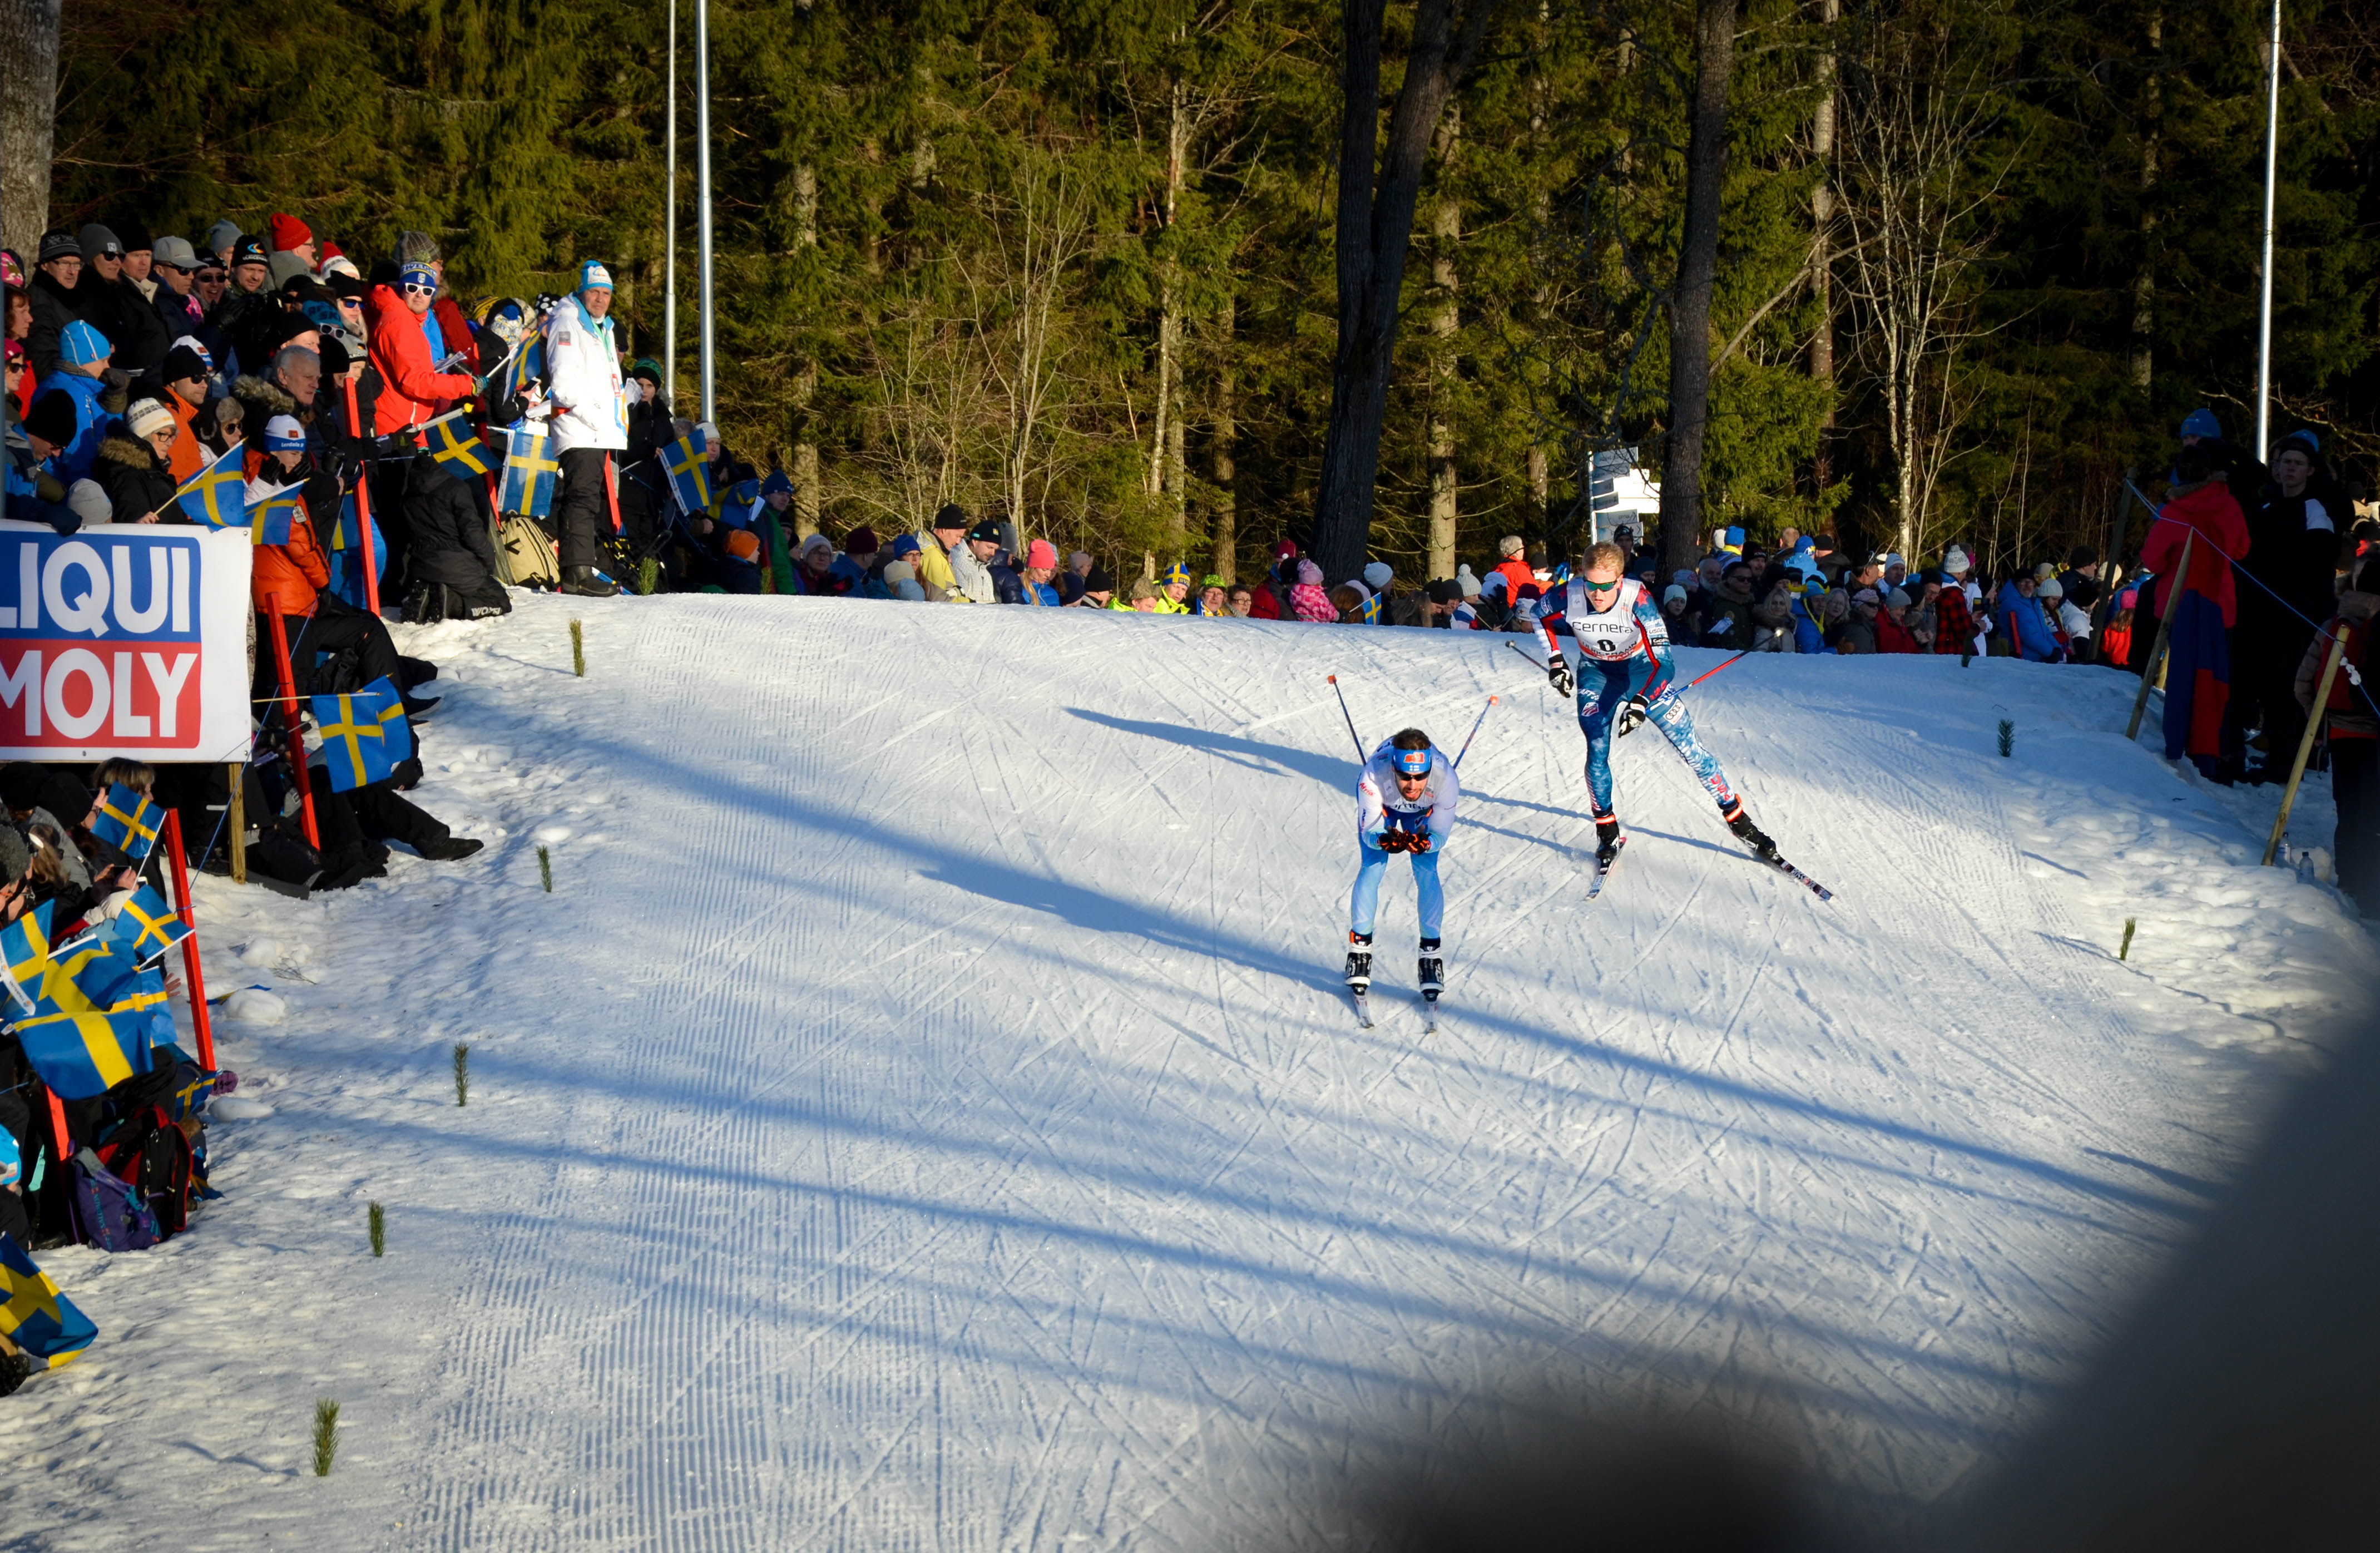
<point x="2264" y="306"/>
<point x="669" y="299"/>
<point x="702" y="176"/>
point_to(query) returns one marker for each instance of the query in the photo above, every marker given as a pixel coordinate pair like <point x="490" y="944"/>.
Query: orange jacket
<point x="286" y="577"/>
<point x="189" y="457"/>
<point x="2212" y="516"/>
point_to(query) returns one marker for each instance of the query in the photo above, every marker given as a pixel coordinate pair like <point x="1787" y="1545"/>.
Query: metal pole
<point x="2305" y="746"/>
<point x="669" y="222"/>
<point x="702" y="177"/>
<point x="2264" y="307"/>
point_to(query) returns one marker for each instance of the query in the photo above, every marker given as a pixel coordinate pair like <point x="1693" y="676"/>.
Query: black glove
<point x="1395" y="841"/>
<point x="1632" y="716"/>
<point x="1557" y="676"/>
<point x="1417" y="840"/>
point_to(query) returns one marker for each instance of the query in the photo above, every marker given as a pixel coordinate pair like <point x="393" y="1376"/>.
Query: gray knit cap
<point x="416" y="247"/>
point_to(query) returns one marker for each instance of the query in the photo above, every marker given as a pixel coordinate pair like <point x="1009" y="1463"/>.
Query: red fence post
<point x="363" y="511"/>
<point x="296" y="734"/>
<point x="192" y="971"/>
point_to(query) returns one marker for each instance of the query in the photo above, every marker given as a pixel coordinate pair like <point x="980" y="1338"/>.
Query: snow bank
<point x="923" y="1110"/>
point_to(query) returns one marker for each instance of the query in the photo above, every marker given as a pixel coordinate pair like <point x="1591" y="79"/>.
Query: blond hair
<point x="1606" y="554"/>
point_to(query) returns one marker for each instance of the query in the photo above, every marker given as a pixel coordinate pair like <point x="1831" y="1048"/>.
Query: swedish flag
<point x="455" y="444"/>
<point x="347" y="530"/>
<point x="394" y="729"/>
<point x="212" y="495"/>
<point x="84" y="1053"/>
<point x="35" y="1316"/>
<point x="528" y="473"/>
<point x="689" y="476"/>
<point x="146" y="926"/>
<point x="128" y="821"/>
<point x="86" y="976"/>
<point x="26" y="944"/>
<point x="524" y="366"/>
<point x="268" y="520"/>
<point x="355" y="740"/>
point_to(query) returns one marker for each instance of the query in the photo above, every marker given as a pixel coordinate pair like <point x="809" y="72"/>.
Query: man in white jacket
<point x="589" y="427"/>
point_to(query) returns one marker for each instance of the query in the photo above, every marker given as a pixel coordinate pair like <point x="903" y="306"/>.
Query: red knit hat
<point x="288" y="233"/>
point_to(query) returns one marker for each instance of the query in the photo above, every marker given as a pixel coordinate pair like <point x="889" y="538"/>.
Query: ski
<point x="1603" y="870"/>
<point x="1429" y="1017"/>
<point x="1362" y="1009"/>
<point x="1799" y="877"/>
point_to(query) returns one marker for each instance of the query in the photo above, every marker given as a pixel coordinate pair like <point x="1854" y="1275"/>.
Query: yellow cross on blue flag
<point x="270" y="517"/>
<point x="128" y="821"/>
<point x="35" y="1316"/>
<point x="146" y="926"/>
<point x="523" y="367"/>
<point x="26" y="944"/>
<point x="355" y="739"/>
<point x="212" y="495"/>
<point x="84" y="1053"/>
<point x="689" y="476"/>
<point x="528" y="473"/>
<point x="455" y="444"/>
<point x="393" y="728"/>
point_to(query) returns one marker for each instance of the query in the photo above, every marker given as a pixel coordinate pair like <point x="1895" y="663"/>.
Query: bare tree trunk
<point x="28" y="105"/>
<point x="1690" y="350"/>
<point x="2144" y="279"/>
<point x="1822" y="244"/>
<point x="1541" y="296"/>
<point x="1446" y="227"/>
<point x="808" y="500"/>
<point x="1375" y="230"/>
<point x="1226" y="435"/>
<point x="1167" y="476"/>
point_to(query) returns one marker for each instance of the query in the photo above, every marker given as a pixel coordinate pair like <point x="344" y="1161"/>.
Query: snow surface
<point x="923" y="1113"/>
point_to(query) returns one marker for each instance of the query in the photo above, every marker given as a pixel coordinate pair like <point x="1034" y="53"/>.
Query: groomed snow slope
<point x="924" y="1114"/>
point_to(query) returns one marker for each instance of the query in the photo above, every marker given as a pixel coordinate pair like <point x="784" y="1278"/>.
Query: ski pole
<point x="1699" y="678"/>
<point x="1350" y="717"/>
<point x="1473" y="733"/>
<point x="1525" y="654"/>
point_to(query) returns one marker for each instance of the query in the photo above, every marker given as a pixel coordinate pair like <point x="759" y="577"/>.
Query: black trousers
<point x="376" y="812"/>
<point x="582" y="506"/>
<point x="2355" y="787"/>
<point x="336" y="627"/>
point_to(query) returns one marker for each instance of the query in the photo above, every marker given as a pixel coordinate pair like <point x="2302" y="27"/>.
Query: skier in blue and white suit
<point x="1624" y="675"/>
<point x="1404" y="803"/>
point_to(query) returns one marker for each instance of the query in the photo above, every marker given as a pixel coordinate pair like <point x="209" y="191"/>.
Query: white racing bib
<point x="1611" y="636"/>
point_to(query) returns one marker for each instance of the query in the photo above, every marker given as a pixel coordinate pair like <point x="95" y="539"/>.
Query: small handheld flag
<point x="35" y="1316"/>
<point x="26" y="945"/>
<point x="354" y="738"/>
<point x="394" y="729"/>
<point x="270" y="520"/>
<point x="146" y="926"/>
<point x="455" y="444"/>
<point x="81" y="1055"/>
<point x="128" y="821"/>
<point x="344" y="533"/>
<point x="689" y="476"/>
<point x="212" y="495"/>
<point x="524" y="366"/>
<point x="529" y="472"/>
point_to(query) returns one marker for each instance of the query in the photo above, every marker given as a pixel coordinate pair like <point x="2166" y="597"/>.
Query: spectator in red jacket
<point x="414" y="392"/>
<point x="2200" y="515"/>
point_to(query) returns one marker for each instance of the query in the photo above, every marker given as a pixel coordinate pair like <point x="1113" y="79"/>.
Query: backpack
<point x="109" y="1213"/>
<point x="525" y="557"/>
<point x="151" y="1155"/>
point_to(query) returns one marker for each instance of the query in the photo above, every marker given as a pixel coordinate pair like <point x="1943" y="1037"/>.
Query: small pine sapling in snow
<point x="376" y="1223"/>
<point x="2008" y="738"/>
<point x="545" y="869"/>
<point x="462" y="1072"/>
<point x="326" y="1435"/>
<point x="648" y="576"/>
<point x="2125" y="951"/>
<point x="578" y="650"/>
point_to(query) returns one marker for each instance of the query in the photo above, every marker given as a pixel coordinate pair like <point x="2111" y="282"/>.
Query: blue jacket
<point x="2022" y="618"/>
<point x="1807" y="637"/>
<point x="857" y="582"/>
<point x="76" y="457"/>
<point x="25" y="504"/>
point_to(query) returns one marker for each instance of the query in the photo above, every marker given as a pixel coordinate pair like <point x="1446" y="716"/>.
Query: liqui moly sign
<point x="123" y="640"/>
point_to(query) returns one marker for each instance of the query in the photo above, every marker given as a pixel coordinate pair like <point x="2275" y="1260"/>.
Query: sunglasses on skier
<point x="1612" y="586"/>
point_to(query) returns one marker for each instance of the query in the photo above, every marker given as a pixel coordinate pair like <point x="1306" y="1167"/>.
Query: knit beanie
<point x="1097" y="580"/>
<point x="592" y="276"/>
<point x="2201" y="422"/>
<point x="80" y="345"/>
<point x="221" y="236"/>
<point x="88" y="502"/>
<point x="1469" y="584"/>
<point x="1378" y="575"/>
<point x="417" y="275"/>
<point x="1041" y="553"/>
<point x="52" y="418"/>
<point x="95" y="239"/>
<point x="147" y="418"/>
<point x="861" y="540"/>
<point x="288" y="232"/>
<point x="282" y="434"/>
<point x="1308" y="574"/>
<point x="743" y="544"/>
<point x="416" y="247"/>
<point x="1955" y="562"/>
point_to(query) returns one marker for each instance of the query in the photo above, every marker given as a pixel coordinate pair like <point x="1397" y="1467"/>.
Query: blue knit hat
<point x="418" y="274"/>
<point x="1176" y="573"/>
<point x="80" y="345"/>
<point x="282" y="434"/>
<point x="2201" y="422"/>
<point x="592" y="274"/>
<point x="776" y="482"/>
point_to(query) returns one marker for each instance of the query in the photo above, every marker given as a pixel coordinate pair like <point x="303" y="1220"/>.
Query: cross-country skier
<point x="1623" y="672"/>
<point x="1405" y="802"/>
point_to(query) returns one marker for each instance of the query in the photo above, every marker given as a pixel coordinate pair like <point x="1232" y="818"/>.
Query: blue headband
<point x="1413" y="762"/>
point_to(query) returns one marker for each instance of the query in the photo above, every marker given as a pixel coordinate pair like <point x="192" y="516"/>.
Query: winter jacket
<point x="1516" y="575"/>
<point x="132" y="326"/>
<point x="455" y="336"/>
<point x="286" y="577"/>
<point x="582" y="369"/>
<point x="261" y="399"/>
<point x="242" y="317"/>
<point x="2028" y="630"/>
<point x="413" y="392"/>
<point x="970" y="578"/>
<point x="54" y="309"/>
<point x="1954" y="623"/>
<point x="35" y="495"/>
<point x="2350" y="714"/>
<point x="2209" y="512"/>
<point x="1730" y="622"/>
<point x="856" y="581"/>
<point x="1312" y="604"/>
<point x="189" y="457"/>
<point x="2295" y="543"/>
<point x="933" y="568"/>
<point x="446" y="531"/>
<point x="137" y="481"/>
<point x="91" y="423"/>
<point x="177" y="314"/>
<point x="1891" y="635"/>
<point x="1853" y="636"/>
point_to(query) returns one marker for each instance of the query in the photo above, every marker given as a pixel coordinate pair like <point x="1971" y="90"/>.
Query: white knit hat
<point x="1955" y="562"/>
<point x="147" y="418"/>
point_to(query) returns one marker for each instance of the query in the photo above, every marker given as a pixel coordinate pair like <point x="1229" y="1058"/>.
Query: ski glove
<point x="1395" y="841"/>
<point x="1557" y="676"/>
<point x="1632" y="716"/>
<point x="1417" y="841"/>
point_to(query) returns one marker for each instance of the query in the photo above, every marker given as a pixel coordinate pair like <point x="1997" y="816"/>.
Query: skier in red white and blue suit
<point x="1624" y="675"/>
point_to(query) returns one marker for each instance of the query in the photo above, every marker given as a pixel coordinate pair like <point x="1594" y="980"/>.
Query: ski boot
<point x="1750" y="835"/>
<point x="1433" y="970"/>
<point x="1359" y="964"/>
<point x="1607" y="839"/>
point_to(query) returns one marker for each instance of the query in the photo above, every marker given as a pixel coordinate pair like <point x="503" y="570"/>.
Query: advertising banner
<point x="123" y="640"/>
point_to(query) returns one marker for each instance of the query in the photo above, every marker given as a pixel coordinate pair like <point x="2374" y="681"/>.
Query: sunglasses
<point x="1599" y="586"/>
<point x="414" y="289"/>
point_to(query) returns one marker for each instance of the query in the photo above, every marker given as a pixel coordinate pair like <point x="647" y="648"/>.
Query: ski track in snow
<point x="925" y="1113"/>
